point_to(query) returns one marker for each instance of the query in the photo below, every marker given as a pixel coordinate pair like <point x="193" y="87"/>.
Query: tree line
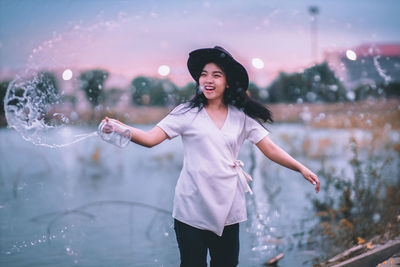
<point x="314" y="84"/>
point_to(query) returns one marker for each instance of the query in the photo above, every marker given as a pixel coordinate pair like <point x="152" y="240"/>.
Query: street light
<point x="314" y="11"/>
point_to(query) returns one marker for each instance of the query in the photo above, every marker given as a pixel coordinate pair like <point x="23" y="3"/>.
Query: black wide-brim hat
<point x="236" y="74"/>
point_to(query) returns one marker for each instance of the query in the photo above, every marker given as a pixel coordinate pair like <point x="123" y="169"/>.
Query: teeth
<point x="209" y="88"/>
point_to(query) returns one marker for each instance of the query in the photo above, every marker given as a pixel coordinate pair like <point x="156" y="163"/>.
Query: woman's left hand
<point x="311" y="177"/>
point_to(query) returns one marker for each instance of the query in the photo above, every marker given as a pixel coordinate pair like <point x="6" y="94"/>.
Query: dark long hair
<point x="235" y="96"/>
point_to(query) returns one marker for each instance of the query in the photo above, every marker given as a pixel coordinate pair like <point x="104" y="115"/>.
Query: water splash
<point x="381" y="71"/>
<point x="31" y="107"/>
<point x="77" y="138"/>
<point x="35" y="105"/>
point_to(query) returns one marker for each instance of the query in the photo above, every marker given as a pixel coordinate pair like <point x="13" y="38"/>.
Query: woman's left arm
<point x="278" y="155"/>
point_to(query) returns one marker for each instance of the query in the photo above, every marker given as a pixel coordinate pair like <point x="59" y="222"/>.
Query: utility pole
<point x="314" y="11"/>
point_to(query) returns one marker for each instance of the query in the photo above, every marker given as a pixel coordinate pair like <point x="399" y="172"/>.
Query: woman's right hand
<point x="112" y="125"/>
<point x="108" y="127"/>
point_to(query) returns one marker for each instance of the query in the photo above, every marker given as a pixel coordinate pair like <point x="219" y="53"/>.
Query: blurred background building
<point x="366" y="64"/>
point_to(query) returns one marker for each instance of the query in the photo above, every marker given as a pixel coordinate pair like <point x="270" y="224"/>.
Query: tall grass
<point x="363" y="206"/>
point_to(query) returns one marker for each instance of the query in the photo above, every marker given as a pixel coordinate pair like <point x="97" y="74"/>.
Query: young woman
<point x="209" y="200"/>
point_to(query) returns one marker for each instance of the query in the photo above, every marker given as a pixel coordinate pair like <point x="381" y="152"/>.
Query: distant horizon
<point x="123" y="80"/>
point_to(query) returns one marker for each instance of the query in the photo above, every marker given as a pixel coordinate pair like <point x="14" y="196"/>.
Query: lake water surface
<point x="92" y="204"/>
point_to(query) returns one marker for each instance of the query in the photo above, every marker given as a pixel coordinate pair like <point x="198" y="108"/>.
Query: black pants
<point x="193" y="244"/>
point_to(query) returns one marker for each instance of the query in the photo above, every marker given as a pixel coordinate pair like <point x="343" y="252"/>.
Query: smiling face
<point x="213" y="82"/>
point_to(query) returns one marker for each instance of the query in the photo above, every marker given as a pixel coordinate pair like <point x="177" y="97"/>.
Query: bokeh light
<point x="258" y="63"/>
<point x="67" y="75"/>
<point x="163" y="70"/>
<point x="350" y="54"/>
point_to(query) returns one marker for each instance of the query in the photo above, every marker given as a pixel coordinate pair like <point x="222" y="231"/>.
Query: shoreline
<point x="372" y="114"/>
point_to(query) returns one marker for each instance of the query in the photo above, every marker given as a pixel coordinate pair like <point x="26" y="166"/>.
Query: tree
<point x="392" y="89"/>
<point x="323" y="84"/>
<point x="45" y="95"/>
<point x="184" y="93"/>
<point x="140" y="89"/>
<point x="317" y="83"/>
<point x="47" y="87"/>
<point x="92" y="83"/>
<point x="68" y="98"/>
<point x="256" y="93"/>
<point x="113" y="96"/>
<point x="287" y="88"/>
<point x="152" y="91"/>
<point x="377" y="90"/>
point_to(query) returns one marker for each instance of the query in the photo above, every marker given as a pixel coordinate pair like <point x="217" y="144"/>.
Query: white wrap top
<point x="210" y="192"/>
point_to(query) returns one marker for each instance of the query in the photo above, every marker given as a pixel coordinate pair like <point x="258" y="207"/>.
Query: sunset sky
<point x="130" y="38"/>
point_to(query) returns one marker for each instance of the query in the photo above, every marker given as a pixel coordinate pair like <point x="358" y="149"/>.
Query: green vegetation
<point x="377" y="90"/>
<point x="92" y="83"/>
<point x="147" y="91"/>
<point x="46" y="85"/>
<point x="316" y="84"/>
<point x="113" y="96"/>
<point x="151" y="91"/>
<point x="359" y="209"/>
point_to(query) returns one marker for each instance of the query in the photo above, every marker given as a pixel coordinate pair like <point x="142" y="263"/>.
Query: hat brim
<point x="236" y="73"/>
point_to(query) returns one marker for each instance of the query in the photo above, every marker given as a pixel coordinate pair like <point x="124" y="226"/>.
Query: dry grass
<point x="368" y="114"/>
<point x="141" y="115"/>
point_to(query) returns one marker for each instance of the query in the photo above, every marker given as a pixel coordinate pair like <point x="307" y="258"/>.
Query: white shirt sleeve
<point x="254" y="131"/>
<point x="173" y="123"/>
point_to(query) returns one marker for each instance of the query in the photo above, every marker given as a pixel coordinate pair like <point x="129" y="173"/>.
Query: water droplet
<point x="351" y="95"/>
<point x="333" y="87"/>
<point x="69" y="250"/>
<point x="376" y="218"/>
<point x="305" y="116"/>
<point x="311" y="96"/>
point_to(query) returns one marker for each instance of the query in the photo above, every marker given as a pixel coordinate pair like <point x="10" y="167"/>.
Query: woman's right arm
<point x="148" y="139"/>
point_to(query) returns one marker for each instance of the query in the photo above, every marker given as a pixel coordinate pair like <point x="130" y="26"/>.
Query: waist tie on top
<point x="243" y="176"/>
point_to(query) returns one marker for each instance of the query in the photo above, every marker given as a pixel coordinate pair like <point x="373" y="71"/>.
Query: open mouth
<point x="208" y="88"/>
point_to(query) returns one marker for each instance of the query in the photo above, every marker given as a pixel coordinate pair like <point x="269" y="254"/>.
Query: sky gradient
<point x="130" y="38"/>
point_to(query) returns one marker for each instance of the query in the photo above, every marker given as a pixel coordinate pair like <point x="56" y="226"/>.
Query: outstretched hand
<point x="311" y="177"/>
<point x="112" y="125"/>
<point x="108" y="126"/>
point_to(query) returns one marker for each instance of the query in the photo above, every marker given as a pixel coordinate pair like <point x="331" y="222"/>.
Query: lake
<point x="93" y="204"/>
